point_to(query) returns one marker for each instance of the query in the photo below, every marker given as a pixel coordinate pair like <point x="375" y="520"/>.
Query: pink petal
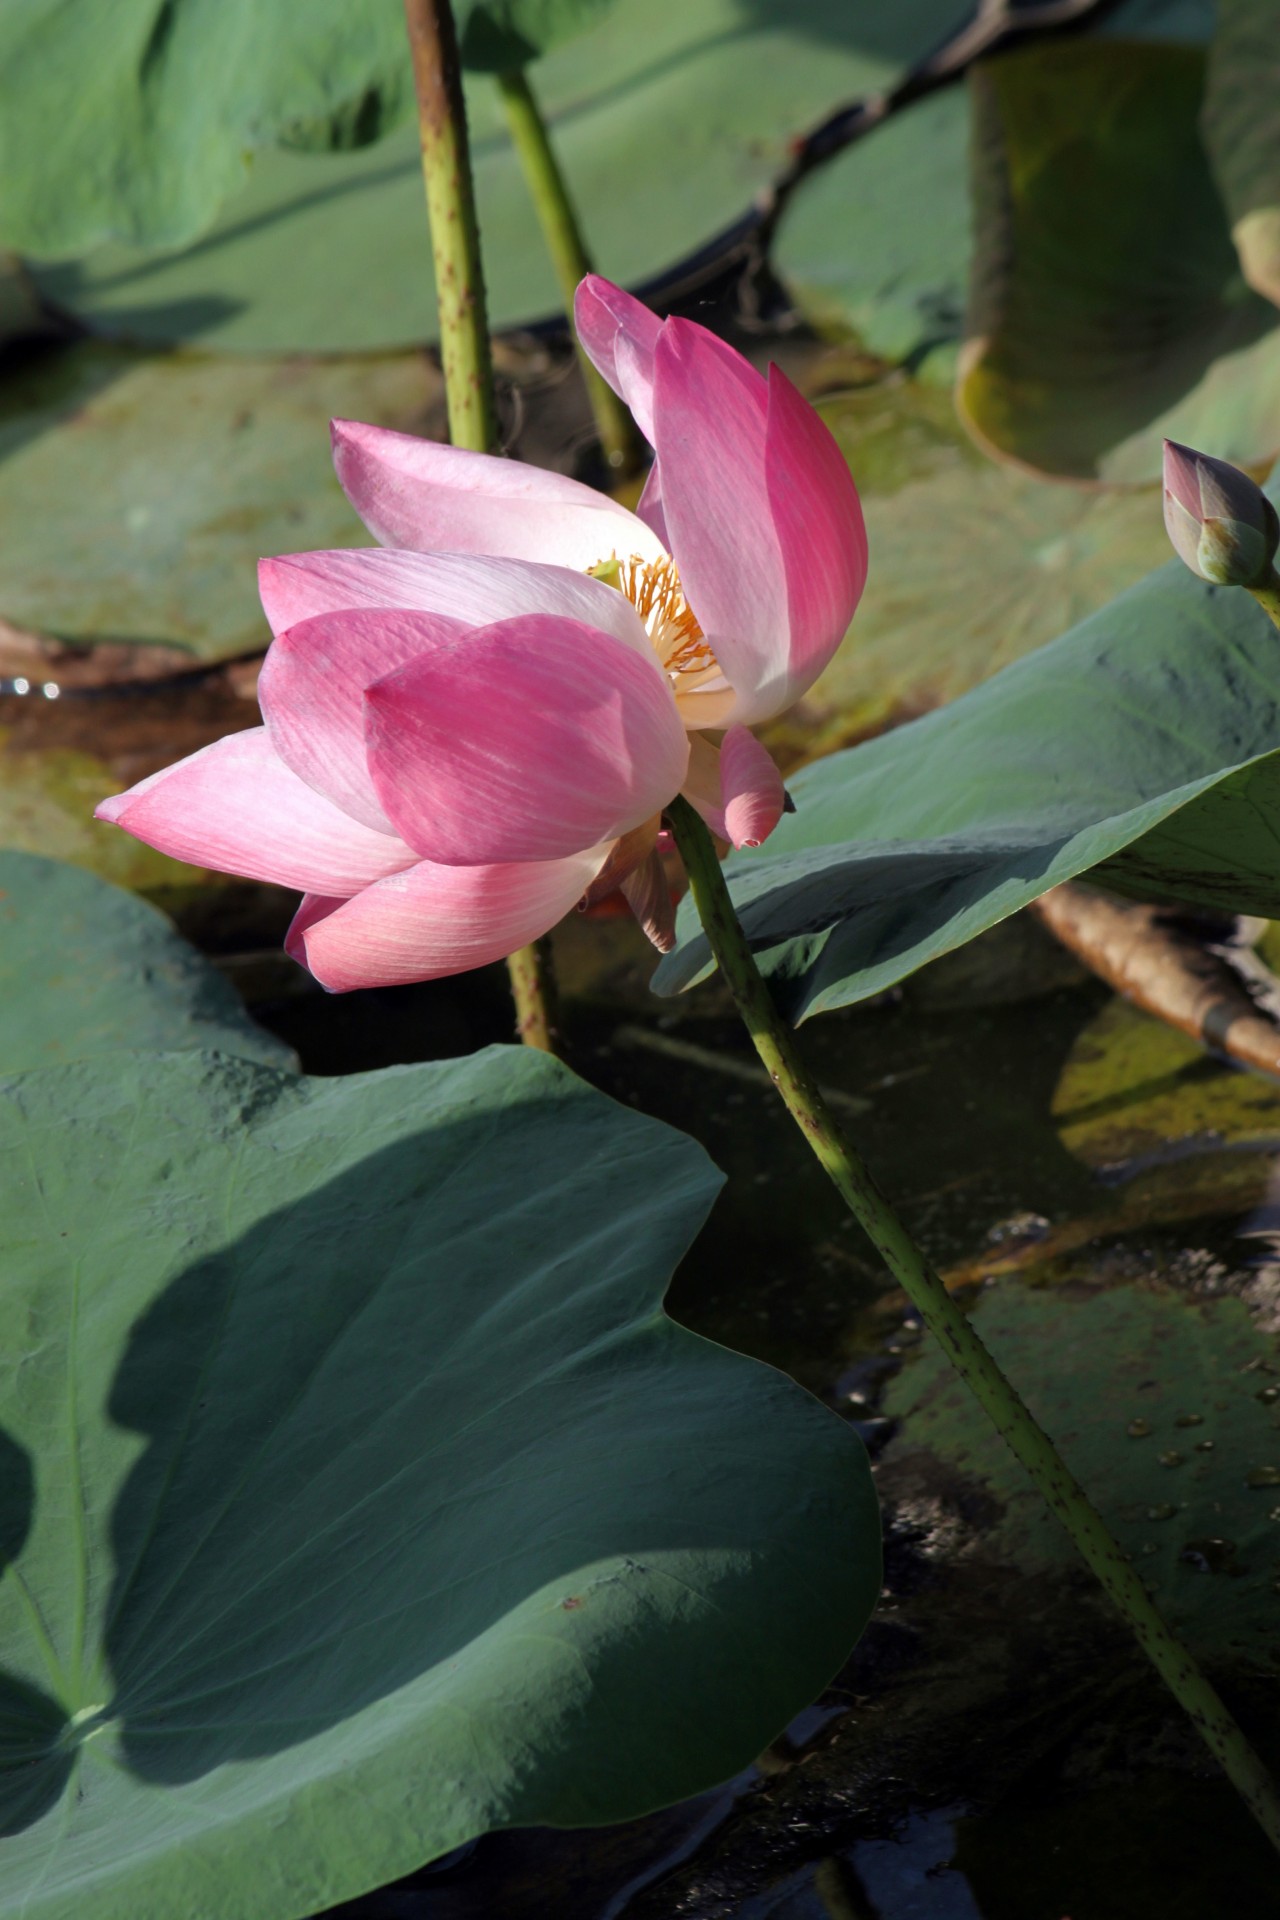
<point x="476" y="589"/>
<point x="647" y="892"/>
<point x="649" y="505"/>
<point x="619" y="334"/>
<point x="762" y="515"/>
<point x="420" y="494"/>
<point x="754" y="795"/>
<point x="818" y="518"/>
<point x="311" y="691"/>
<point x="527" y="740"/>
<point x="236" y="807"/>
<point x="702" y="786"/>
<point x="430" y="920"/>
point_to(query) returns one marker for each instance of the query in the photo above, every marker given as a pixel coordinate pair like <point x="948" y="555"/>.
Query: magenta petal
<point x="818" y="518"/>
<point x="754" y="795"/>
<point x="762" y="515"/>
<point x="619" y="334"/>
<point x="710" y="412"/>
<point x="430" y="920"/>
<point x="236" y="807"/>
<point x="420" y="494"/>
<point x="649" y="505"/>
<point x="647" y="892"/>
<point x="527" y="740"/>
<point x="311" y="691"/>
<point x="476" y="589"/>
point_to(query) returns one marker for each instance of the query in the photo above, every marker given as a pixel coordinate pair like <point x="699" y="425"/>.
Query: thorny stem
<point x="558" y="219"/>
<point x="533" y="984"/>
<point x="1268" y="596"/>
<point x="464" y="339"/>
<point x="775" y="1044"/>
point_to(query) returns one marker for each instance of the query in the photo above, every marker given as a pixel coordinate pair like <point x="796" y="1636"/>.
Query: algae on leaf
<point x="1166" y="1409"/>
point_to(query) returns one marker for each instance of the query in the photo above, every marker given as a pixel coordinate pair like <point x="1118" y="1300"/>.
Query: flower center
<point x="654" y="590"/>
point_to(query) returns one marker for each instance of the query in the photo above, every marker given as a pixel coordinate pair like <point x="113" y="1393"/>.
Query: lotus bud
<point x="1221" y="523"/>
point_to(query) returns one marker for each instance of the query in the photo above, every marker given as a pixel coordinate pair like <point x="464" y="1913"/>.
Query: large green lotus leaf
<point x="494" y="35"/>
<point x="137" y="493"/>
<point x="359" y="1495"/>
<point x="1145" y="742"/>
<point x="1240" y="132"/>
<point x="668" y="120"/>
<point x="973" y="564"/>
<point x="1108" y="308"/>
<point x="159" y="105"/>
<point x="1190" y="1494"/>
<point x="879" y="239"/>
<point x="86" y="968"/>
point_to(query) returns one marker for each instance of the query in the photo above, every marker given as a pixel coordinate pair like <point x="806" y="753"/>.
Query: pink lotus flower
<point x="475" y="727"/>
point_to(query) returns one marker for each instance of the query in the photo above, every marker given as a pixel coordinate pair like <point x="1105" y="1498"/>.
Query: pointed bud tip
<point x="1220" y="523"/>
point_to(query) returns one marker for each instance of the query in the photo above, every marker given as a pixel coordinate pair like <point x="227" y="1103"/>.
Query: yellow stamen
<point x="654" y="590"/>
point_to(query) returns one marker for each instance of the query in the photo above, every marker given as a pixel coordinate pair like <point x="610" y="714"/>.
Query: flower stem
<point x="560" y="229"/>
<point x="464" y="340"/>
<point x="455" y="233"/>
<point x="533" y="987"/>
<point x="1268" y="596"/>
<point x="775" y="1043"/>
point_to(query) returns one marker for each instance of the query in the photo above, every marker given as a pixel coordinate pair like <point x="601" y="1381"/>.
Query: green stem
<point x="559" y="222"/>
<point x="455" y="233"/>
<point x="464" y="339"/>
<point x="775" y="1044"/>
<point x="533" y="988"/>
<point x="1268" y="596"/>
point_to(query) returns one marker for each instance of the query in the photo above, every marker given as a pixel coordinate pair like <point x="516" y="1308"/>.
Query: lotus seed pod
<point x="1221" y="523"/>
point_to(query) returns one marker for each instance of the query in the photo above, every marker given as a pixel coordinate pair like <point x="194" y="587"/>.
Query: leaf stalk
<point x="1268" y="596"/>
<point x="562" y="231"/>
<point x="775" y="1043"/>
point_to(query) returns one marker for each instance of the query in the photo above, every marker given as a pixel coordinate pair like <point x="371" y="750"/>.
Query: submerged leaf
<point x="879" y="239"/>
<point x="1108" y="309"/>
<point x="1240" y="132"/>
<point x="1164" y="1410"/>
<point x="138" y="493"/>
<point x="1136" y="1094"/>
